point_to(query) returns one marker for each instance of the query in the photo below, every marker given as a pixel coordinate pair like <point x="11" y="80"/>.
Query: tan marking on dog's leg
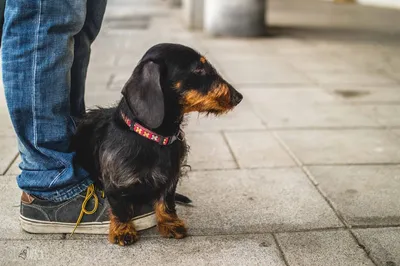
<point x="123" y="234"/>
<point x="168" y="224"/>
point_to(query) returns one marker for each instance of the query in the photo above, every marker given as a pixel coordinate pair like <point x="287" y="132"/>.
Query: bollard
<point x="237" y="18"/>
<point x="193" y="13"/>
<point x="174" y="3"/>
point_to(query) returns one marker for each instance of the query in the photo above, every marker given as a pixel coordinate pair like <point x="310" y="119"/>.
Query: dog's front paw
<point x="168" y="223"/>
<point x="124" y="239"/>
<point x="173" y="229"/>
<point x="123" y="234"/>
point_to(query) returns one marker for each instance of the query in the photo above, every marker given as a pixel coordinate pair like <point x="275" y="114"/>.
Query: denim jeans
<point x="45" y="55"/>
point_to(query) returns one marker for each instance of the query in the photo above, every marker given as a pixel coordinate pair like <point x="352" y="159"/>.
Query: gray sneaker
<point x="87" y="213"/>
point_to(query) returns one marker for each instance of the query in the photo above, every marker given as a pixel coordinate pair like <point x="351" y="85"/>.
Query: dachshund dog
<point x="137" y="148"/>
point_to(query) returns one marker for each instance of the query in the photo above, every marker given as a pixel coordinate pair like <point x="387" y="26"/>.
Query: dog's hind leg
<point x="122" y="230"/>
<point x="168" y="222"/>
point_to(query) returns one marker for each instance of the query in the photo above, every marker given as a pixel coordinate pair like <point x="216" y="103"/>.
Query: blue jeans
<point x="45" y="55"/>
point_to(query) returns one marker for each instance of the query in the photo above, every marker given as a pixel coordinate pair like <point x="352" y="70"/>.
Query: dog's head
<point x="180" y="75"/>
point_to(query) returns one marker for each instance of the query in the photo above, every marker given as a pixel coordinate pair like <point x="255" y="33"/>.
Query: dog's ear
<point x="144" y="94"/>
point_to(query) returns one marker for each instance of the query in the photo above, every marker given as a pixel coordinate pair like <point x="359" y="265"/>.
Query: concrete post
<point x="174" y="3"/>
<point x="193" y="13"/>
<point x="240" y="18"/>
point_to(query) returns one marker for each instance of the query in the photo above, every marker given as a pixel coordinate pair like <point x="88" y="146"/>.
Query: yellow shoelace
<point x="89" y="194"/>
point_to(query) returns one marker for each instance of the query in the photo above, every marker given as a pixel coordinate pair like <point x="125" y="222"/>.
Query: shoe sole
<point x="142" y="222"/>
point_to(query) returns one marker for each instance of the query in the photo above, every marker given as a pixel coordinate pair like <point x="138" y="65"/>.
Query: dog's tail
<point x="182" y="199"/>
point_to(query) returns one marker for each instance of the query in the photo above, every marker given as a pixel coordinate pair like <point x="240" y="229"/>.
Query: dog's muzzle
<point x="236" y="97"/>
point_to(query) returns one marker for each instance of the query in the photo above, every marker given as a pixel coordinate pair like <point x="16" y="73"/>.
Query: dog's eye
<point x="200" y="71"/>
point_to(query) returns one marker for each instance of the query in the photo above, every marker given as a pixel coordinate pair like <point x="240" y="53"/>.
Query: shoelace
<point x="89" y="194"/>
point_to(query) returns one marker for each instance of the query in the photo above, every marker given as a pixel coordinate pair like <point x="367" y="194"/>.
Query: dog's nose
<point x="237" y="97"/>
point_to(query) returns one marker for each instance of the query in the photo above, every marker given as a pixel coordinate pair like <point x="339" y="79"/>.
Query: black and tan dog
<point x="137" y="149"/>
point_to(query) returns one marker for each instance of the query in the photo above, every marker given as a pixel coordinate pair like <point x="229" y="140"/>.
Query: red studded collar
<point x="148" y="134"/>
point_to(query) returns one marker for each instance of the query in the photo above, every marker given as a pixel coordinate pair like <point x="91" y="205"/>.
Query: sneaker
<point x="88" y="213"/>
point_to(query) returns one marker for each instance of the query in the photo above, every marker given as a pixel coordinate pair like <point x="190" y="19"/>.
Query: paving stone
<point x="125" y="8"/>
<point x="350" y="77"/>
<point x="241" y="118"/>
<point x="216" y="250"/>
<point x="10" y="196"/>
<point x="9" y="150"/>
<point x="258" y="149"/>
<point x="375" y="61"/>
<point x="209" y="151"/>
<point x="382" y="244"/>
<point x="130" y="59"/>
<point x="101" y="79"/>
<point x="102" y="99"/>
<point x="96" y="79"/>
<point x="250" y="201"/>
<point x="14" y="168"/>
<point x="294" y="48"/>
<point x="230" y="46"/>
<point x="360" y="146"/>
<point x="248" y="56"/>
<point x="287" y="95"/>
<point x="319" y="62"/>
<point x="366" y="94"/>
<point x="395" y="132"/>
<point x="118" y="81"/>
<point x="394" y="73"/>
<point x="328" y="248"/>
<point x="101" y="59"/>
<point x="386" y="115"/>
<point x="6" y="128"/>
<point x="364" y="195"/>
<point x="273" y="47"/>
<point x="254" y="75"/>
<point x="313" y="116"/>
<point x="103" y="44"/>
<point x="334" y="48"/>
<point x="243" y="63"/>
<point x="330" y="94"/>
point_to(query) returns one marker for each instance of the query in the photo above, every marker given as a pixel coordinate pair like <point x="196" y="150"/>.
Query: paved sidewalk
<point x="305" y="172"/>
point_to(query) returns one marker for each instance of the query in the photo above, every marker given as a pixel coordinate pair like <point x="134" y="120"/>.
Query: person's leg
<point x="42" y="41"/>
<point x="37" y="56"/>
<point x="83" y="40"/>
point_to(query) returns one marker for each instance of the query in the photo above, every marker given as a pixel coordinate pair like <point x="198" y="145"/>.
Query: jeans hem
<point x="63" y="194"/>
